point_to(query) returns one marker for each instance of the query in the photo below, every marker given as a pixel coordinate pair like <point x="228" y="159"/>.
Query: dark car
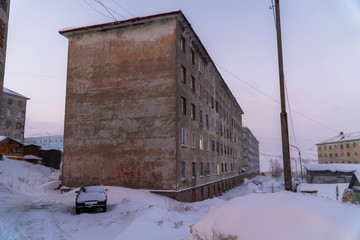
<point x="91" y="197"/>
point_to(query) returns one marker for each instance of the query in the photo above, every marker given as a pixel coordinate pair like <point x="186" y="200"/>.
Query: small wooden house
<point x="11" y="147"/>
<point x="355" y="185"/>
<point x="330" y="173"/>
<point x="32" y="149"/>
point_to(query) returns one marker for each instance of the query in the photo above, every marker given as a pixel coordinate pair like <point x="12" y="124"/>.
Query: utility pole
<point x="283" y="114"/>
<point x="300" y="160"/>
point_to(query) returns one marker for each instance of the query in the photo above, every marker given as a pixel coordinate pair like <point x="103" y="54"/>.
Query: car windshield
<point x="93" y="189"/>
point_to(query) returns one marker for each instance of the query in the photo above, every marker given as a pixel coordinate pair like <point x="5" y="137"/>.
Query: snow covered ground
<point x="30" y="208"/>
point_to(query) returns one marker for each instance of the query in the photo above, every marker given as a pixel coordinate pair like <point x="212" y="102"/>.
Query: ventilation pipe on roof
<point x="341" y="133"/>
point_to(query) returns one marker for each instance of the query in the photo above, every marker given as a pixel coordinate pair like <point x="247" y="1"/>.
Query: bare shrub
<point x="172" y="205"/>
<point x="178" y="224"/>
<point x="348" y="196"/>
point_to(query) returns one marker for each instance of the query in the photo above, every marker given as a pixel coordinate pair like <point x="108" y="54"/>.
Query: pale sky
<point x="321" y="47"/>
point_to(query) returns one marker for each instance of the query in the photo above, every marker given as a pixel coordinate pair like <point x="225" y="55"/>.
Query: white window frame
<point x="183" y="137"/>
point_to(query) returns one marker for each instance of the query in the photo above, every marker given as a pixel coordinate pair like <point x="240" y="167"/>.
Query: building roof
<point x="342" y="137"/>
<point x="11" y="92"/>
<point x="139" y="20"/>
<point x="333" y="167"/>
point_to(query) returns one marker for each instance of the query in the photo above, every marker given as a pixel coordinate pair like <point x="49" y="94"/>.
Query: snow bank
<point x="279" y="216"/>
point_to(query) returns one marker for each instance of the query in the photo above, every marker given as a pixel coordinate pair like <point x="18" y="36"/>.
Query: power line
<point x="106" y="9"/>
<point x="95" y="9"/>
<point x="275" y="100"/>
<point x="291" y="119"/>
<point x="123" y="8"/>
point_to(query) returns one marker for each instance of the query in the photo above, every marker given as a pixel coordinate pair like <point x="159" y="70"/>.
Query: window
<point x="201" y="117"/>
<point x="207" y="120"/>
<point x="206" y="73"/>
<point x="213" y="168"/>
<point x="17" y="135"/>
<point x="201" y="169"/>
<point x="8" y="112"/>
<point x="342" y="155"/>
<point x="347" y="145"/>
<point x="45" y="142"/>
<point x="207" y="169"/>
<point x="212" y="102"/>
<point x="320" y="156"/>
<point x="213" y="145"/>
<point x="183" y="74"/>
<point x="330" y="147"/>
<point x="7" y="134"/>
<point x="217" y="147"/>
<point x="325" y="155"/>
<point x="354" y="145"/>
<point x="335" y="146"/>
<point x="18" y="125"/>
<point x="222" y="168"/>
<point x="182" y="44"/>
<point x="194" y="170"/>
<point x="183" y="171"/>
<point x="192" y="54"/>
<point x="217" y="106"/>
<point x="193" y="112"/>
<point x="325" y="148"/>
<point x="20" y="103"/>
<point x="183" y="137"/>
<point x="319" y="148"/>
<point x="341" y="146"/>
<point x="331" y="155"/>
<point x="193" y="84"/>
<point x="9" y="101"/>
<point x="193" y="143"/>
<point x="7" y="123"/>
<point x="226" y="168"/>
<point x="183" y="105"/>
<point x="218" y="168"/>
<point x="336" y="155"/>
<point x="355" y="154"/>
<point x="19" y="114"/>
<point x="348" y="154"/>
<point x="201" y="140"/>
<point x="207" y="144"/>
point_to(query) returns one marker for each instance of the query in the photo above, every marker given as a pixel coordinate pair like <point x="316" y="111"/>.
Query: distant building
<point x="146" y="107"/>
<point x="12" y="116"/>
<point x="250" y="151"/>
<point x="4" y="19"/>
<point x="343" y="148"/>
<point x="11" y="147"/>
<point x="47" y="142"/>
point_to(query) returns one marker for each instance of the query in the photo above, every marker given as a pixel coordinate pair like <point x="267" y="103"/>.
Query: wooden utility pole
<point x="283" y="114"/>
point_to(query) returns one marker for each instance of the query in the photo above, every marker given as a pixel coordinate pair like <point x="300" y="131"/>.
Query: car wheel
<point x="104" y="209"/>
<point x="77" y="210"/>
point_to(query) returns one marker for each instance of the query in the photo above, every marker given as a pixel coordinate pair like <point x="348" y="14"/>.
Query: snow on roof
<point x="342" y="138"/>
<point x="32" y="157"/>
<point x="2" y="138"/>
<point x="333" y="167"/>
<point x="11" y="92"/>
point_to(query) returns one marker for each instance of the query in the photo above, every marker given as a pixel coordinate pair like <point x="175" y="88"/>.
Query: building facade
<point x="147" y="108"/>
<point x="13" y="113"/>
<point x="4" y="19"/>
<point x="343" y="148"/>
<point x="251" y="151"/>
<point x="47" y="142"/>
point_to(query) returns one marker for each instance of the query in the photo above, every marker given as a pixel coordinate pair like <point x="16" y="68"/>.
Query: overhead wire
<point x="88" y="4"/>
<point x="106" y="9"/>
<point x="123" y="8"/>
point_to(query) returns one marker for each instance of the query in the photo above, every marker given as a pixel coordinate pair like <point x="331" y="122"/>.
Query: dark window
<point x="213" y="145"/>
<point x="192" y="56"/>
<point x="9" y="101"/>
<point x="183" y="170"/>
<point x="347" y="145"/>
<point x="348" y="154"/>
<point x="20" y="103"/>
<point x="7" y="123"/>
<point x="212" y="102"/>
<point x="193" y="112"/>
<point x="193" y="83"/>
<point x="18" y="125"/>
<point x="17" y="135"/>
<point x="330" y="147"/>
<point x="183" y="105"/>
<point x="207" y="120"/>
<point x="183" y="75"/>
<point x="201" y="169"/>
<point x="201" y="117"/>
<point x="354" y="145"/>
<point x="193" y="169"/>
<point x="217" y="106"/>
<point x="341" y="146"/>
<point x="182" y="44"/>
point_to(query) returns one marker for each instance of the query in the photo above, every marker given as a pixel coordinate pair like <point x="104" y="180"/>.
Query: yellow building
<point x="344" y="148"/>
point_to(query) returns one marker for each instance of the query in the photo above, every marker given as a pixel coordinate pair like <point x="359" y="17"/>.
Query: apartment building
<point x="13" y="113"/>
<point x="4" y="19"/>
<point x="251" y="151"/>
<point x="146" y="107"/>
<point x="343" y="148"/>
<point x="46" y="142"/>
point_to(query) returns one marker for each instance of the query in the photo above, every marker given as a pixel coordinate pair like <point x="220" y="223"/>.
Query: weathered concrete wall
<point x="120" y="107"/>
<point x="4" y="19"/>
